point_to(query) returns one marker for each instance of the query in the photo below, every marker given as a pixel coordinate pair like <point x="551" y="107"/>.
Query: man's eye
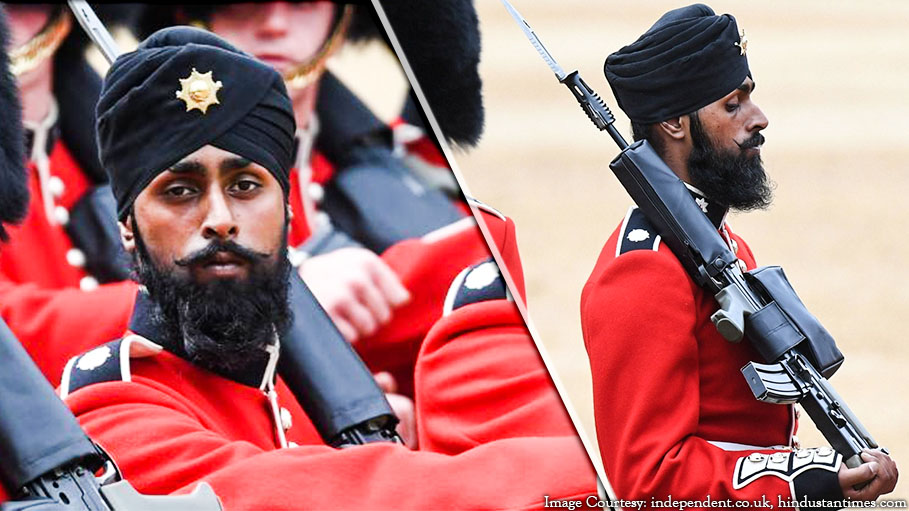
<point x="732" y="107"/>
<point x="178" y="191"/>
<point x="246" y="185"/>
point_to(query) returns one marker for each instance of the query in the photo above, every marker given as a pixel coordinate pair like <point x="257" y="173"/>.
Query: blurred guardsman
<point x="198" y="139"/>
<point x="674" y="415"/>
<point x="49" y="270"/>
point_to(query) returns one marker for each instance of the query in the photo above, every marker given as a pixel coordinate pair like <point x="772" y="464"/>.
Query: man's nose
<point x="274" y="21"/>
<point x="219" y="219"/>
<point x="758" y="120"/>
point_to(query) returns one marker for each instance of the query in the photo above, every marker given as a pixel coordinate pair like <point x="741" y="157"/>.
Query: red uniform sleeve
<point x="502" y="232"/>
<point x="55" y="325"/>
<point x="426" y="267"/>
<point x="480" y="377"/>
<point x="162" y="447"/>
<point x="638" y="319"/>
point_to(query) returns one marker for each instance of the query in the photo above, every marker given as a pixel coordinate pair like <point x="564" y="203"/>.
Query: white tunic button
<point x="75" y="257"/>
<point x="88" y="284"/>
<point x="778" y="457"/>
<point x="742" y="265"/>
<point x="296" y="257"/>
<point x="315" y="192"/>
<point x="735" y="247"/>
<point x="286" y="420"/>
<point x="756" y="456"/>
<point x="61" y="215"/>
<point x="56" y="186"/>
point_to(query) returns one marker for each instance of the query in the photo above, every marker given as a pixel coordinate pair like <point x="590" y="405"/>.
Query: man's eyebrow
<point x="235" y="163"/>
<point x="187" y="167"/>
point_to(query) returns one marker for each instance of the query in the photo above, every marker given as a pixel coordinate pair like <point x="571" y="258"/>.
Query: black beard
<point x="223" y="325"/>
<point x="732" y="179"/>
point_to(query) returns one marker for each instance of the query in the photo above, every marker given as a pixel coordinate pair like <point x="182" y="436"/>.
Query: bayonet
<point x="95" y="29"/>
<point x="535" y="41"/>
<point x="590" y="101"/>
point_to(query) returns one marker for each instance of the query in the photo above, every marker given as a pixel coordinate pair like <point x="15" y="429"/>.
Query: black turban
<point x="144" y="127"/>
<point x="688" y="59"/>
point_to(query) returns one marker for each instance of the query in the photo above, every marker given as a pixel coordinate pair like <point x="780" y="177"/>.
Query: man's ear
<point x="127" y="237"/>
<point x="675" y="128"/>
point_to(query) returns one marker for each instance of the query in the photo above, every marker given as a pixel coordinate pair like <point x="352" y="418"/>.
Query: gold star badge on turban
<point x="199" y="90"/>
<point x="743" y="42"/>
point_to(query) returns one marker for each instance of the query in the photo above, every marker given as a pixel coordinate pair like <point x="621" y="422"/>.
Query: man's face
<point x="211" y="197"/>
<point x="281" y="34"/>
<point x="725" y="160"/>
<point x="208" y="238"/>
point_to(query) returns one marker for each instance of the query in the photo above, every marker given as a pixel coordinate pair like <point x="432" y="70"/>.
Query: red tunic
<point x="40" y="297"/>
<point x="674" y="414"/>
<point x="426" y="267"/>
<point x="493" y="433"/>
<point x="480" y="378"/>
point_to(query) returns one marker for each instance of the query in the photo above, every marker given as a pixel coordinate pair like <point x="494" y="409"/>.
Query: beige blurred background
<point x="833" y="79"/>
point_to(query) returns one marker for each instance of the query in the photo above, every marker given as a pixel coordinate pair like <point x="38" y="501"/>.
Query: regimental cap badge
<point x="199" y="90"/>
<point x="743" y="43"/>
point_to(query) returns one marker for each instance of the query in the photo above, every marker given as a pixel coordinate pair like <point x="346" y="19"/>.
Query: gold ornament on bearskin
<point x="199" y="90"/>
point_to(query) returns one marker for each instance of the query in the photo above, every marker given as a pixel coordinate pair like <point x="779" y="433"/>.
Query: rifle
<point x="49" y="460"/>
<point x="799" y="352"/>
<point x="329" y="379"/>
<point x="325" y="374"/>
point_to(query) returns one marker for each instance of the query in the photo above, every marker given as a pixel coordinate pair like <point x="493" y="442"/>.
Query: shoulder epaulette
<point x="485" y="207"/>
<point x="636" y="233"/>
<point x="109" y="362"/>
<point x="477" y="283"/>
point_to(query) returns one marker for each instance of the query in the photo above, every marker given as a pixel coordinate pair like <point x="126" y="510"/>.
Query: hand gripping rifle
<point x="800" y="354"/>
<point x="329" y="380"/>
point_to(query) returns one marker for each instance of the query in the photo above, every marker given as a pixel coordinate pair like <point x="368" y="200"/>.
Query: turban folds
<point x="688" y="59"/>
<point x="181" y="90"/>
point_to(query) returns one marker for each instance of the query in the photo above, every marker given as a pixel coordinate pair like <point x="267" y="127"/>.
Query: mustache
<point x="752" y="141"/>
<point x="204" y="255"/>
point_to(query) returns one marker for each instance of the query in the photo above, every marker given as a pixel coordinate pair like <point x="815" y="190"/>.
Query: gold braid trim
<point x="308" y="72"/>
<point x="31" y="54"/>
